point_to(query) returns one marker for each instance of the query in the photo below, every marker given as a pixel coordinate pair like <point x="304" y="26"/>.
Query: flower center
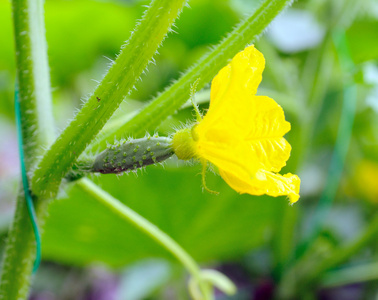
<point x="184" y="143"/>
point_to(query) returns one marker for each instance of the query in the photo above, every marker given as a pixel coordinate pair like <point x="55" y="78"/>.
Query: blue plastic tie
<point x="25" y="183"/>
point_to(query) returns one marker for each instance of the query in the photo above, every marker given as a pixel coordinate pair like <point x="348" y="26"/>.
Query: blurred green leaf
<point x="206" y="23"/>
<point x="79" y="32"/>
<point x="7" y="61"/>
<point x="362" y="37"/>
<point x="81" y="231"/>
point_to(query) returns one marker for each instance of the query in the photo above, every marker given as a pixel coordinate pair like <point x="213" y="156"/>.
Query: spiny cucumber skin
<point x="133" y="154"/>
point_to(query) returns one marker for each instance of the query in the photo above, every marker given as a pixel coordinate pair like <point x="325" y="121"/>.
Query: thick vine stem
<point x="151" y="230"/>
<point x="115" y="86"/>
<point x="37" y="132"/>
<point x="20" y="252"/>
<point x="33" y="78"/>
<point x="201" y="73"/>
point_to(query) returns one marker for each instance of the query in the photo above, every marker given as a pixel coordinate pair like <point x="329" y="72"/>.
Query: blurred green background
<point x="89" y="253"/>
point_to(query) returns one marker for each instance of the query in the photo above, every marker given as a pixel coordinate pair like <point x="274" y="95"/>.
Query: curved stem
<point x="114" y="87"/>
<point x="201" y="73"/>
<point x="148" y="228"/>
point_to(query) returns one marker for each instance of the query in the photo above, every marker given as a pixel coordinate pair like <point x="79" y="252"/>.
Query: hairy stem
<point x="20" y="252"/>
<point x="207" y="67"/>
<point x="116" y="84"/>
<point x="37" y="132"/>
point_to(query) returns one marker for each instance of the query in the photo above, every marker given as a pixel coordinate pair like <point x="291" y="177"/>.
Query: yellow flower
<point x="242" y="134"/>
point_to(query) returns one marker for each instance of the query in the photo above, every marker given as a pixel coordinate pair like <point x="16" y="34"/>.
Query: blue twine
<point x="25" y="183"/>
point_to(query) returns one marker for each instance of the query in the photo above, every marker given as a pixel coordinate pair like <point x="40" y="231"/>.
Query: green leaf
<point x="80" y="231"/>
<point x="360" y="38"/>
<point x="107" y="26"/>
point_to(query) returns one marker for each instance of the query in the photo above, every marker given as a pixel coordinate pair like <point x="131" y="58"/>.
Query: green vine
<point x="150" y="229"/>
<point x="117" y="83"/>
<point x="176" y="95"/>
<point x="37" y="133"/>
<point x="37" y="123"/>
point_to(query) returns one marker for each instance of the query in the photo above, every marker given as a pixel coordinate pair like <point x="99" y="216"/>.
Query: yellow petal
<point x="242" y="134"/>
<point x="265" y="132"/>
<point x="233" y="90"/>
<point x="265" y="183"/>
<point x="231" y="157"/>
<point x="258" y="123"/>
<point x="243" y="73"/>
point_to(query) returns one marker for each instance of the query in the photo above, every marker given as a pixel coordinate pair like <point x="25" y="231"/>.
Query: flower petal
<point x="229" y="157"/>
<point x="243" y="74"/>
<point x="242" y="134"/>
<point x="258" y="122"/>
<point x="265" y="132"/>
<point x="266" y="119"/>
<point x="265" y="183"/>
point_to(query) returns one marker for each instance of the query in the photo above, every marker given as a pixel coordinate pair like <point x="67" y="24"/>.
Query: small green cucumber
<point x="133" y="154"/>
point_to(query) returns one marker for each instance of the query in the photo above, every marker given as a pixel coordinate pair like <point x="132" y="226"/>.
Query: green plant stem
<point x="149" y="229"/>
<point x="115" y="86"/>
<point x="334" y="176"/>
<point x="283" y="241"/>
<point x="207" y="67"/>
<point x="33" y="78"/>
<point x="37" y="132"/>
<point x="20" y="252"/>
<point x="112" y="126"/>
<point x="351" y="274"/>
<point x="25" y="183"/>
<point x="341" y="255"/>
<point x="309" y="269"/>
<point x="338" y="159"/>
<point x="342" y="141"/>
